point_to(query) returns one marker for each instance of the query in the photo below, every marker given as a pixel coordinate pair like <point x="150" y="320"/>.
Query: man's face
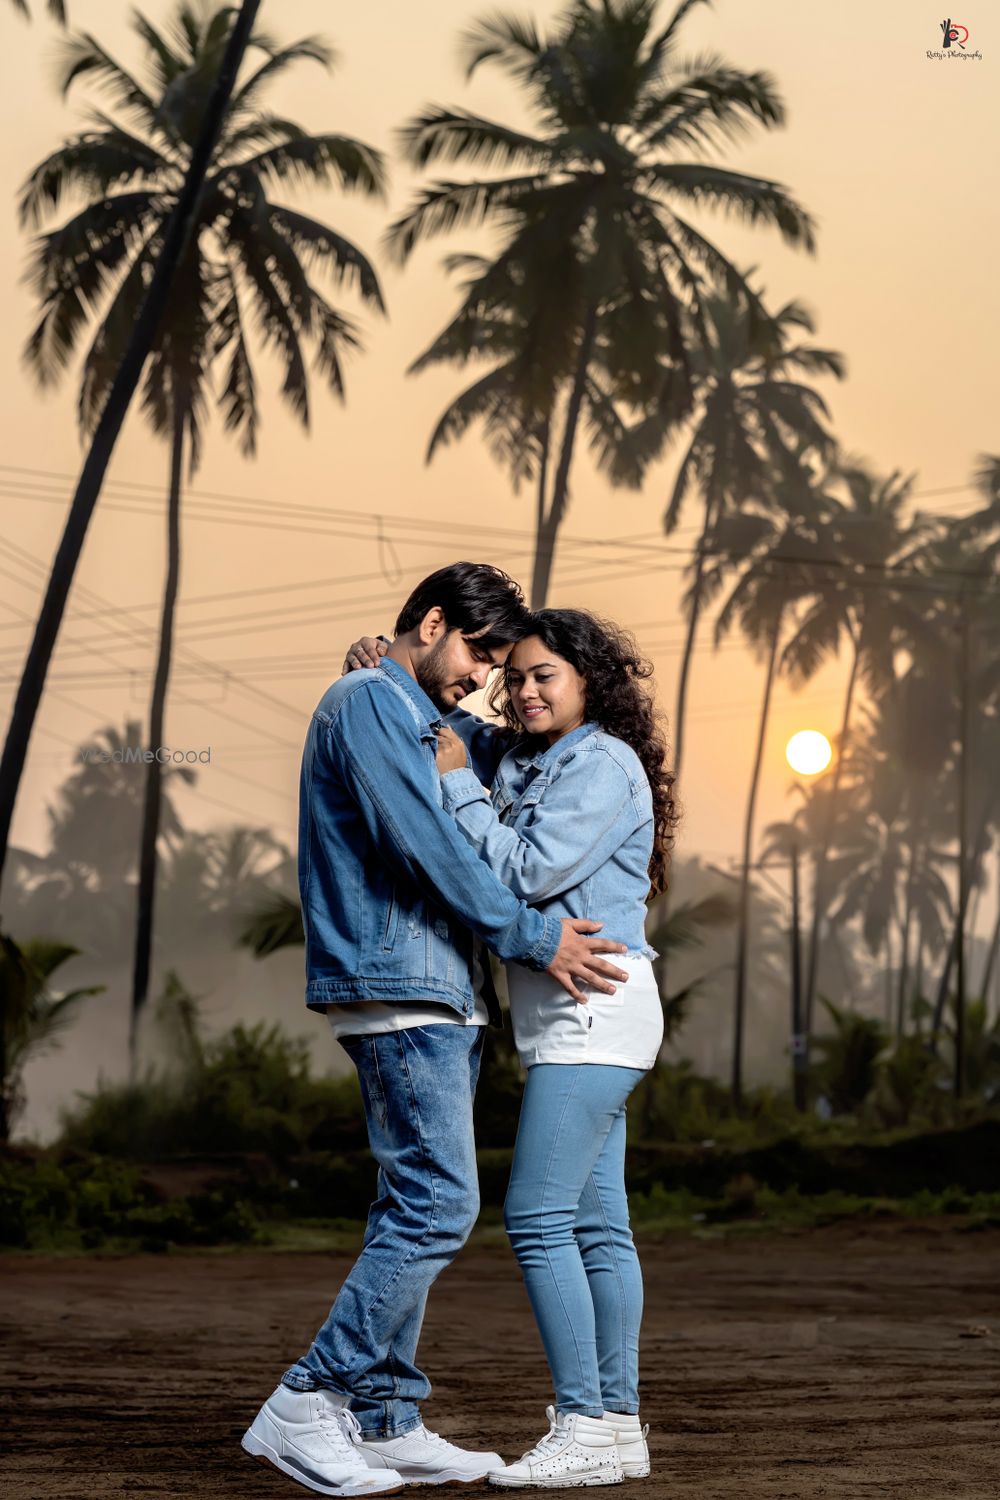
<point x="455" y="666"/>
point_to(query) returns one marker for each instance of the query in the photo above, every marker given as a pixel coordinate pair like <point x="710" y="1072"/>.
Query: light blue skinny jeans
<point x="566" y="1214"/>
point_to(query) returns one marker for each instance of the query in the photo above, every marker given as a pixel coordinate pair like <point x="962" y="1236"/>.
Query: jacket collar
<point x="533" y="754"/>
<point x="426" y="710"/>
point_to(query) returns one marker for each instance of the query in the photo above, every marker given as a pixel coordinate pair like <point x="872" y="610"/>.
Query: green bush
<point x="48" y="1203"/>
<point x="249" y="1090"/>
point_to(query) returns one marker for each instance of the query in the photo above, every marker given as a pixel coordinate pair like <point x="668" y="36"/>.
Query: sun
<point x="808" y="752"/>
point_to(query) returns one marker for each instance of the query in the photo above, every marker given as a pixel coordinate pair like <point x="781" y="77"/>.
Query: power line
<point x="626" y="544"/>
<point x="29" y="560"/>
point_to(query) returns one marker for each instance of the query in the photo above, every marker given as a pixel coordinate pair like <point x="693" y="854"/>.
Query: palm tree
<point x="902" y="770"/>
<point x="597" y="270"/>
<point x="83" y="886"/>
<point x="961" y="561"/>
<point x="245" y="254"/>
<point x="855" y="597"/>
<point x="756" y="422"/>
<point x="32" y="1016"/>
<point x="850" y="1055"/>
<point x="176" y="235"/>
<point x="779" y="555"/>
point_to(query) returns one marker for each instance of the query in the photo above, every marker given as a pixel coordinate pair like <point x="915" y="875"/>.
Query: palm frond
<point x="84" y="56"/>
<point x="277" y="325"/>
<point x="89" y="164"/>
<point x="319" y="244"/>
<point x="104" y="355"/>
<point x="445" y="135"/>
<point x="315" y="159"/>
<point x="508" y="40"/>
<point x="448" y="205"/>
<point x="72" y="269"/>
<point x="754" y="199"/>
<point x="309" y="49"/>
<point x="712" y="105"/>
<point x="277" y="925"/>
<point x="492" y="400"/>
<point x="624" y="452"/>
<point x="335" y="336"/>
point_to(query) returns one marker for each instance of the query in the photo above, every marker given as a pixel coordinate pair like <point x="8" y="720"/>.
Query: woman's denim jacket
<point x="391" y="891"/>
<point x="568" y="827"/>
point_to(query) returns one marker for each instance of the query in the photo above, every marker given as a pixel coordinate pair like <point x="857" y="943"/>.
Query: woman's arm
<point x="585" y="814"/>
<point x="486" y="743"/>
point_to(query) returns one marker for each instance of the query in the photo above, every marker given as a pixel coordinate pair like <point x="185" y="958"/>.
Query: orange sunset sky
<point x="894" y="153"/>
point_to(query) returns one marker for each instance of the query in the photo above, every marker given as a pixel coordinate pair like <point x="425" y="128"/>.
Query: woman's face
<point x="548" y="693"/>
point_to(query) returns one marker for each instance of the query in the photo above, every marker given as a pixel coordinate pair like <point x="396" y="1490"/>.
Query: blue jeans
<point x="417" y="1086"/>
<point x="567" y="1218"/>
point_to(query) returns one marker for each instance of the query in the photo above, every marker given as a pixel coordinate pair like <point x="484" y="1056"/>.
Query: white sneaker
<point x="577" y="1450"/>
<point x="313" y="1438"/>
<point x="421" y="1457"/>
<point x="630" y="1435"/>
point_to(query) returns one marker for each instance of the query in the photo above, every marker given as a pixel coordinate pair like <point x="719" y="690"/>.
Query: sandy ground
<point x="840" y="1363"/>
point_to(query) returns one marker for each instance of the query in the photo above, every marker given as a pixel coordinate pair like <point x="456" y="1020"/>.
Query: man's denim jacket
<point x="569" y="826"/>
<point x="392" y="893"/>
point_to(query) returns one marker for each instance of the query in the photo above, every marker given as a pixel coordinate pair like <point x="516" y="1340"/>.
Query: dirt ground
<point x="840" y="1364"/>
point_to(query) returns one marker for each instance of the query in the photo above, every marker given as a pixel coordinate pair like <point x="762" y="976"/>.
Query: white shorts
<point x="624" y="1030"/>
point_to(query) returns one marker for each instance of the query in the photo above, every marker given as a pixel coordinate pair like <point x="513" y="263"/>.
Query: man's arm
<point x="394" y="788"/>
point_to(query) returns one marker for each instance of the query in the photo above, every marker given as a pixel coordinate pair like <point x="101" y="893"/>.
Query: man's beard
<point x="432" y="675"/>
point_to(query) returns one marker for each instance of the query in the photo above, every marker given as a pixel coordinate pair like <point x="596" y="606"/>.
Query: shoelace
<point x="342" y="1430"/>
<point x="549" y="1443"/>
<point x="434" y="1437"/>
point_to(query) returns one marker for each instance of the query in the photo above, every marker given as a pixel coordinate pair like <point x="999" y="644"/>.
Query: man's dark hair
<point x="473" y="597"/>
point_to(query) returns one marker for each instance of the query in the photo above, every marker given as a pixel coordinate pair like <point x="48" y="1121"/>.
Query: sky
<point x="893" y="152"/>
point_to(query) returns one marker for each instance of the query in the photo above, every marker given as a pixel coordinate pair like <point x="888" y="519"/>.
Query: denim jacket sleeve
<point x="486" y="743"/>
<point x="584" y="815"/>
<point x="373" y="734"/>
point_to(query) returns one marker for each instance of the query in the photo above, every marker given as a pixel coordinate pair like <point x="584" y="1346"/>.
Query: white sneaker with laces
<point x="630" y="1435"/>
<point x="313" y="1438"/>
<point x="421" y="1457"/>
<point x="576" y="1451"/>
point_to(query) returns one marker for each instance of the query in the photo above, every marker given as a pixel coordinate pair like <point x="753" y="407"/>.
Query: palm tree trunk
<point x="918" y="972"/>
<point x="944" y="986"/>
<point x="549" y="524"/>
<point x="543" y="480"/>
<point x="904" y="957"/>
<point x="819" y="886"/>
<point x="179" y="228"/>
<point x="687" y="656"/>
<point x="154" y="771"/>
<point x="964" y="871"/>
<point x="743" y="929"/>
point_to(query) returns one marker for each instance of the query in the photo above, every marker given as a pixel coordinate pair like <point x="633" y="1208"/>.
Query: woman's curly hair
<point x="616" y="698"/>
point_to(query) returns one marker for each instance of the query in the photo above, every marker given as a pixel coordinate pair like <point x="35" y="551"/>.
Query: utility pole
<point x="800" y="1048"/>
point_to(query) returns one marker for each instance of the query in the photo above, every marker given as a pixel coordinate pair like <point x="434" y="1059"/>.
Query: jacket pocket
<point x="391" y="924"/>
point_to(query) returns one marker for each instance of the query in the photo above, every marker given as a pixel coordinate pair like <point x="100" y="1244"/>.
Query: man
<point x="392" y="900"/>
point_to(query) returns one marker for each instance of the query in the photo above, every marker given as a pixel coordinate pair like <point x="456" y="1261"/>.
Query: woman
<point x="579" y="824"/>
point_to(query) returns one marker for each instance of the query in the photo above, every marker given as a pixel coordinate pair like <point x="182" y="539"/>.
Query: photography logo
<point x="954" y="37"/>
<point x="954" y="34"/>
